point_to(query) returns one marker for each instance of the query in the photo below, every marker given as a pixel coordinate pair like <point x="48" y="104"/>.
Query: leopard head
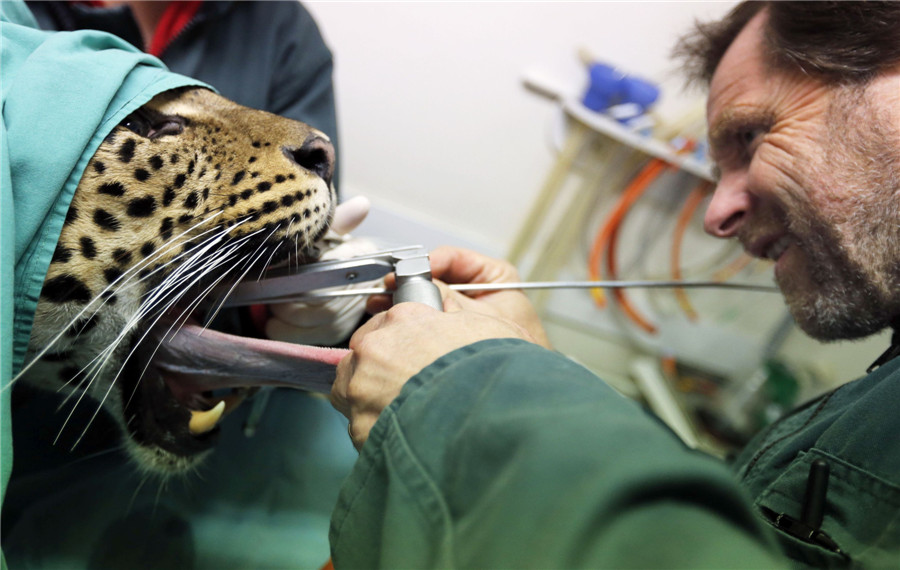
<point x="190" y="193"/>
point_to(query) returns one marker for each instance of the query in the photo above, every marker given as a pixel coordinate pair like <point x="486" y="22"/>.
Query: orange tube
<point x="626" y="200"/>
<point x="607" y="237"/>
<point x="687" y="213"/>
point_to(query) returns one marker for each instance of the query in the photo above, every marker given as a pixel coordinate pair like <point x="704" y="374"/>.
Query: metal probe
<point x="548" y="285"/>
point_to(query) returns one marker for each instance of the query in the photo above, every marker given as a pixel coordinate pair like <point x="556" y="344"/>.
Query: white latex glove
<point x="327" y="321"/>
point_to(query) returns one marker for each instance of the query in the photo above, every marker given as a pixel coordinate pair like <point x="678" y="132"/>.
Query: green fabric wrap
<point x="62" y="93"/>
<point x="503" y="454"/>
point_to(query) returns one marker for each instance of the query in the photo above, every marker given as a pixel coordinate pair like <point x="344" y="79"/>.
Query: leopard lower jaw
<point x="192" y="377"/>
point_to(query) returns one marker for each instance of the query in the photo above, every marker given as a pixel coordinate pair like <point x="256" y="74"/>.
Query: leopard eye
<point x="153" y="125"/>
<point x="136" y="124"/>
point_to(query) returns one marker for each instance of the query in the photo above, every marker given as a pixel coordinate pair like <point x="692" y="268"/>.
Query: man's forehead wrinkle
<point x="738" y="76"/>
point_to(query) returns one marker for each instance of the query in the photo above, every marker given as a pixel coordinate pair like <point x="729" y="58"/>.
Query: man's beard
<point x="852" y="284"/>
<point x="836" y="299"/>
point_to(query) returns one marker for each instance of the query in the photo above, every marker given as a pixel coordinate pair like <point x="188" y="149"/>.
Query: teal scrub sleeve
<point x="506" y="455"/>
<point x="61" y="94"/>
<point x="7" y="263"/>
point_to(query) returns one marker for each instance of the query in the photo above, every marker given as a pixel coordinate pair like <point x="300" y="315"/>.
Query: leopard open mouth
<point x="184" y="378"/>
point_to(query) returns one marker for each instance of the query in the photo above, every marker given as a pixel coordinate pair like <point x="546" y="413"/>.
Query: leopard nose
<point x="316" y="155"/>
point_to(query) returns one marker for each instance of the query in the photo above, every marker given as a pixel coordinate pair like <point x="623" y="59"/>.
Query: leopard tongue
<point x="194" y="360"/>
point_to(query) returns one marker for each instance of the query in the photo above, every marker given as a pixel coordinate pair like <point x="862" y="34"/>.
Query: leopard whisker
<point x="248" y="261"/>
<point x="177" y="241"/>
<point x="179" y="321"/>
<point x="163" y="484"/>
<point x="126" y="328"/>
<point x="208" y="291"/>
<point x="218" y="259"/>
<point x="94" y="368"/>
<point x="296" y="245"/>
<point x="177" y="324"/>
<point x="196" y="278"/>
<point x="221" y="257"/>
<point x="199" y="277"/>
<point x="92" y="364"/>
<point x="98" y="363"/>
<point x="145" y="476"/>
<point x="221" y="302"/>
<point x="155" y="306"/>
<point x="92" y="307"/>
<point x="158" y="316"/>
<point x="176" y="282"/>
<point x="265" y="265"/>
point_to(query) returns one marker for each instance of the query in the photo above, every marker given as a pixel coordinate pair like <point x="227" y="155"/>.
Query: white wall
<point x="434" y="120"/>
<point x="438" y="131"/>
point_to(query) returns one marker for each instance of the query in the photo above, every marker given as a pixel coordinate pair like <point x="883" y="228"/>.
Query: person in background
<point x="264" y="55"/>
<point x="480" y="447"/>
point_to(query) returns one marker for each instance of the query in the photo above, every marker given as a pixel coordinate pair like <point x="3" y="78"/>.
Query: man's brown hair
<point x="838" y="42"/>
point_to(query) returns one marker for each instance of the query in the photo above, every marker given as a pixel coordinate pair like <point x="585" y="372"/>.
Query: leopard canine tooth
<point x="203" y="422"/>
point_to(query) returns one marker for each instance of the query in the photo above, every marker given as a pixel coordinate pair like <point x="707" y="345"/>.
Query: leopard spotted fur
<point x="188" y="192"/>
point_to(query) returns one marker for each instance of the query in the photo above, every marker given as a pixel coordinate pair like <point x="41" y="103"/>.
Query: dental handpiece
<point x="414" y="284"/>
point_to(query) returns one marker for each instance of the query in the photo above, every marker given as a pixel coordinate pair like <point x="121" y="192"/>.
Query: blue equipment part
<point x="610" y="87"/>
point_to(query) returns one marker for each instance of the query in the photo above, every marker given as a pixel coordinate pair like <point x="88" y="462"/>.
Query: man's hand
<point x="455" y="265"/>
<point x="398" y="343"/>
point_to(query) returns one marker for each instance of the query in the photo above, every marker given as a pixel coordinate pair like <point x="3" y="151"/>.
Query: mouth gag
<point x="318" y="280"/>
<point x="327" y="279"/>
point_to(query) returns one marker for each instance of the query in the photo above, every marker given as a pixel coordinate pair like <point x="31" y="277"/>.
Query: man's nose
<point x="728" y="209"/>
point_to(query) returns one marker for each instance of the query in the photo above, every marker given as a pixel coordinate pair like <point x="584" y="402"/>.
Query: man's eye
<point x="749" y="139"/>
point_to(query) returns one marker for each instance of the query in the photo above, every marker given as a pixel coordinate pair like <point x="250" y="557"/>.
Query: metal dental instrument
<point x="327" y="279"/>
<point x="414" y="284"/>
<point x="410" y="264"/>
<point x="462" y="287"/>
<point x="284" y="284"/>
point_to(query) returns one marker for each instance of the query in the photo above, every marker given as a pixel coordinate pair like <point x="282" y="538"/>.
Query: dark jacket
<point x="265" y="55"/>
<point x="854" y="430"/>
